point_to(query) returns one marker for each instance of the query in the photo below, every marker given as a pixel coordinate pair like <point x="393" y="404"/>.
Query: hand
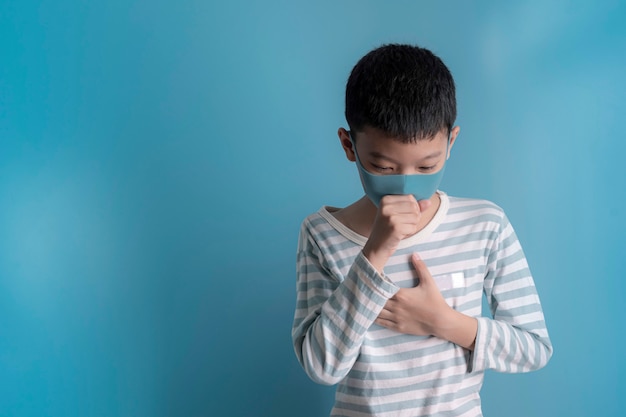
<point x="397" y="218"/>
<point x="417" y="310"/>
<point x="422" y="311"/>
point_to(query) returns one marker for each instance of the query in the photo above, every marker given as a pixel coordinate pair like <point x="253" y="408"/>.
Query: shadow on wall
<point x="237" y="359"/>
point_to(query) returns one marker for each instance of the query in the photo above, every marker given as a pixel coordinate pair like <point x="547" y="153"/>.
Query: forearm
<point x="329" y="329"/>
<point x="457" y="328"/>
<point x="377" y="257"/>
<point x="504" y="347"/>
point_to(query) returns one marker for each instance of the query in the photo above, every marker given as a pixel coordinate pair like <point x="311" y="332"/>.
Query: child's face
<point x="382" y="155"/>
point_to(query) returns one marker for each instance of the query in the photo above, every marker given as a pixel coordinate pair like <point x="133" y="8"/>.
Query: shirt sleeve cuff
<point x="478" y="360"/>
<point x="374" y="280"/>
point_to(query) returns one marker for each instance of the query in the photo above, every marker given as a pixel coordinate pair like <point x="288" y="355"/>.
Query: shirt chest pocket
<point x="451" y="281"/>
<point x="453" y="287"/>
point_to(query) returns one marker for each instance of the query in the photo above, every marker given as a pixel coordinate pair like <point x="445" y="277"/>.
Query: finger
<point x="385" y="314"/>
<point x="424" y="204"/>
<point x="391" y="198"/>
<point x="391" y="304"/>
<point x="402" y="202"/>
<point x="422" y="270"/>
<point x="386" y="323"/>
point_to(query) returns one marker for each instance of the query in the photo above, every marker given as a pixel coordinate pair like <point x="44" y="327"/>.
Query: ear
<point x="454" y="133"/>
<point x="346" y="144"/>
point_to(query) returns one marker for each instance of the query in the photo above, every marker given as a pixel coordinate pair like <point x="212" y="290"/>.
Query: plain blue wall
<point x="157" y="158"/>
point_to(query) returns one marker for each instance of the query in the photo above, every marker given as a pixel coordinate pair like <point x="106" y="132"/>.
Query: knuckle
<point x="400" y="296"/>
<point x="385" y="200"/>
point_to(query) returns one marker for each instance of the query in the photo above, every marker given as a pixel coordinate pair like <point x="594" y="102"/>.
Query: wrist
<point x="378" y="258"/>
<point x="457" y="328"/>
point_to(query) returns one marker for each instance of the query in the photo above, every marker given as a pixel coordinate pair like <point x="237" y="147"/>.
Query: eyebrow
<point x="379" y="155"/>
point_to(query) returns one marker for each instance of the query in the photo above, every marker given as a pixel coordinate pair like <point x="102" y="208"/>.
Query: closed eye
<point x="380" y="168"/>
<point x="428" y="169"/>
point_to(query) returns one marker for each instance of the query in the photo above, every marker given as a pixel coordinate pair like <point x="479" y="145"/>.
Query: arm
<point x="516" y="339"/>
<point x="333" y="315"/>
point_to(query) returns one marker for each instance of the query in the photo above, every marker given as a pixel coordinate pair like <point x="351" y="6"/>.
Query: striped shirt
<point x="470" y="248"/>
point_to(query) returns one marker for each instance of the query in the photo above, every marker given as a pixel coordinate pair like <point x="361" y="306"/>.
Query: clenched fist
<point x="397" y="218"/>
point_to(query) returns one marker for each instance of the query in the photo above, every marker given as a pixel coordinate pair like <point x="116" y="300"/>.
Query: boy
<point x="389" y="289"/>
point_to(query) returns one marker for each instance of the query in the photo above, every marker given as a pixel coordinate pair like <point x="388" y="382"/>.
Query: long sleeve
<point x="516" y="339"/>
<point x="333" y="313"/>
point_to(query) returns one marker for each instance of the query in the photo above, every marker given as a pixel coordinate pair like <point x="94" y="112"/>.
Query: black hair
<point x="404" y="90"/>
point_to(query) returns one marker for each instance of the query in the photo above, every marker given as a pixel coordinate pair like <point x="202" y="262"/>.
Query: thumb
<point x="424" y="204"/>
<point x="422" y="270"/>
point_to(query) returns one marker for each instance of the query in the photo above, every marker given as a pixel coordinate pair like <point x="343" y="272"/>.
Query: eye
<point x="428" y="169"/>
<point x="381" y="168"/>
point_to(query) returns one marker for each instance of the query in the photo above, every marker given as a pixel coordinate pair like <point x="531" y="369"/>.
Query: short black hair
<point x="404" y="90"/>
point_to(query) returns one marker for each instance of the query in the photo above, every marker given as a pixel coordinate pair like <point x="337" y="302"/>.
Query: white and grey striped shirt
<point x="470" y="248"/>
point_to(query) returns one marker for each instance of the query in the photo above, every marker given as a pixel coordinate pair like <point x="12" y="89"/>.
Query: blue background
<point x="157" y="158"/>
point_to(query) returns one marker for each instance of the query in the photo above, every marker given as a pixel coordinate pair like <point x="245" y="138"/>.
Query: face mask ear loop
<point x="447" y="145"/>
<point x="354" y="147"/>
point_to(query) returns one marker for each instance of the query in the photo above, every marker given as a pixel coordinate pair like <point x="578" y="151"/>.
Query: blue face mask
<point x="422" y="186"/>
